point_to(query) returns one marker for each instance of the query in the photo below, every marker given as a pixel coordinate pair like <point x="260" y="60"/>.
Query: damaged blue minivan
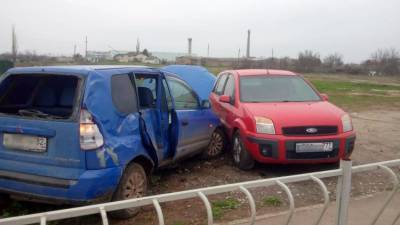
<point x="84" y="134"/>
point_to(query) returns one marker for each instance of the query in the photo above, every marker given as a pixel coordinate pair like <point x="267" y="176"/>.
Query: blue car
<point x="84" y="134"/>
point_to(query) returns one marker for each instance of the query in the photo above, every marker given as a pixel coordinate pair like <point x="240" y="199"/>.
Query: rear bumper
<point x="281" y="149"/>
<point x="91" y="187"/>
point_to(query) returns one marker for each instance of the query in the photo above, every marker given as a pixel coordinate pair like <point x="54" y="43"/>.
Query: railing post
<point x="343" y="192"/>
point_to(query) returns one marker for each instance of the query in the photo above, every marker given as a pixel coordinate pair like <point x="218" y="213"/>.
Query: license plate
<point x="25" y="142"/>
<point x="314" y="147"/>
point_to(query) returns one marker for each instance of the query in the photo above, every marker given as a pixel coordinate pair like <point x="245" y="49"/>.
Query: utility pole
<point x="74" y="51"/>
<point x="14" y="45"/>
<point x="208" y="50"/>
<point x="86" y="43"/>
<point x="238" y="58"/>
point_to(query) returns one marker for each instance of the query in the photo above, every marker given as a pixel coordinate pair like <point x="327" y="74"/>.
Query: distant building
<point x="152" y="60"/>
<point x="209" y="61"/>
<point x="64" y="59"/>
<point x="97" y="56"/>
<point x="133" y="57"/>
<point x="168" y="56"/>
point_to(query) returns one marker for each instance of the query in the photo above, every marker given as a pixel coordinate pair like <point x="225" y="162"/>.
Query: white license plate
<point x="25" y="142"/>
<point x="314" y="147"/>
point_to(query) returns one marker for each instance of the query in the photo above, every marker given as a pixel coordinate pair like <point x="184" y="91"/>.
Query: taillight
<point x="90" y="136"/>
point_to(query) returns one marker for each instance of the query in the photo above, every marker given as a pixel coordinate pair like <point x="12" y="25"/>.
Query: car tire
<point x="5" y="201"/>
<point x="241" y="156"/>
<point x="133" y="184"/>
<point x="216" y="146"/>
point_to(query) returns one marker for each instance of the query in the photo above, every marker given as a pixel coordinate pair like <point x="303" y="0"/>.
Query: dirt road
<point x="378" y="132"/>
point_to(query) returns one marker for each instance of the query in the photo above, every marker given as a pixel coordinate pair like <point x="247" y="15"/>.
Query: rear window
<point x="39" y="96"/>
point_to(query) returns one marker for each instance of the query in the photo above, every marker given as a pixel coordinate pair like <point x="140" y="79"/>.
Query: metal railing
<point x="344" y="174"/>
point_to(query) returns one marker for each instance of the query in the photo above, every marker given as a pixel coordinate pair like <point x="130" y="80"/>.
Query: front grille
<point x="310" y="130"/>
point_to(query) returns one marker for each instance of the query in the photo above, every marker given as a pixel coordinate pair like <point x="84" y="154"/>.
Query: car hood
<point x="287" y="114"/>
<point x="197" y="77"/>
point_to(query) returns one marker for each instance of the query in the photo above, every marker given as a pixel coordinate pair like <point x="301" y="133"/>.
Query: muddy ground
<point x="378" y="133"/>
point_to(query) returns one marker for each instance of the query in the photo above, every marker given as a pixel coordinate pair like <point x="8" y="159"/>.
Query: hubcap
<point x="216" y="144"/>
<point x="135" y="186"/>
<point x="237" y="148"/>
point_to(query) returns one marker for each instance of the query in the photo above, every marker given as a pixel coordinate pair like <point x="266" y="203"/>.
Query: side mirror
<point x="325" y="97"/>
<point x="205" y="104"/>
<point x="225" y="98"/>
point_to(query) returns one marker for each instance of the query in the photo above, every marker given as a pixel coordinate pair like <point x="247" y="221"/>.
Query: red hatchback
<point x="275" y="116"/>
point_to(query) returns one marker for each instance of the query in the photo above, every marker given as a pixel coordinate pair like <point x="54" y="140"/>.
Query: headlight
<point x="346" y="123"/>
<point x="264" y="125"/>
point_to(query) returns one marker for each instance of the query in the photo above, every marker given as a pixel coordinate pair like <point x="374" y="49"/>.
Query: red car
<point x="275" y="116"/>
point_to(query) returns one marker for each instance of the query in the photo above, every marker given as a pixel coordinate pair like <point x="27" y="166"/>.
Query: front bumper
<point x="281" y="149"/>
<point x="92" y="186"/>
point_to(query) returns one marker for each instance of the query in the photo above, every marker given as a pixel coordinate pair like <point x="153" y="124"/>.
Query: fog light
<point x="266" y="150"/>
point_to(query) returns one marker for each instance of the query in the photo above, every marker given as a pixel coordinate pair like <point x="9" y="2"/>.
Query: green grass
<point x="272" y="201"/>
<point x="219" y="207"/>
<point x="358" y="95"/>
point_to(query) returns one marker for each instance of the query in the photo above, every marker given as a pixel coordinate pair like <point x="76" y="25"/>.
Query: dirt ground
<point x="377" y="134"/>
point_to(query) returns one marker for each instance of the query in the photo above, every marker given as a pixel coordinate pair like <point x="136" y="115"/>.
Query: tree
<point x="308" y="61"/>
<point x="333" y="61"/>
<point x="386" y="61"/>
<point x="146" y="52"/>
<point x="14" y="47"/>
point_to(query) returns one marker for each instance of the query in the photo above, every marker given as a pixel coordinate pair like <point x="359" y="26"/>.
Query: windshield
<point x="276" y="89"/>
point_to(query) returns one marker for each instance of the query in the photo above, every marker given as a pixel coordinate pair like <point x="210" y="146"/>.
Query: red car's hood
<point x="287" y="114"/>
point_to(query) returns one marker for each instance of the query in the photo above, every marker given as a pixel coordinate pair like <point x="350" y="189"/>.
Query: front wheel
<point x="241" y="157"/>
<point x="217" y="144"/>
<point x="133" y="184"/>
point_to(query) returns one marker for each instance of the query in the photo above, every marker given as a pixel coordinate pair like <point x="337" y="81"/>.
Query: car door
<point x="192" y="119"/>
<point x="154" y="111"/>
<point x="228" y="109"/>
<point x="216" y="92"/>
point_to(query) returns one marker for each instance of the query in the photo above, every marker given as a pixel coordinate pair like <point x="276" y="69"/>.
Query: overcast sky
<point x="354" y="28"/>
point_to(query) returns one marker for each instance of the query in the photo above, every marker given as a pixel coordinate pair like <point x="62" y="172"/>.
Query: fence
<point x="344" y="174"/>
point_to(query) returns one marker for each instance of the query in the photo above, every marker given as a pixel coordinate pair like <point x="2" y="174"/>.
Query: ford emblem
<point x="311" y="130"/>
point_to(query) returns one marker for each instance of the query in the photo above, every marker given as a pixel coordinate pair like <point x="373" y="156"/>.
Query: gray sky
<point x="354" y="28"/>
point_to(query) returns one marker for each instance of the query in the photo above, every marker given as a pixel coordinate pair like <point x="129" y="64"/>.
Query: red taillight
<point x="90" y="135"/>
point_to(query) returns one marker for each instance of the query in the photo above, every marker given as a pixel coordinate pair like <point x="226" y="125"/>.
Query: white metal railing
<point x="344" y="174"/>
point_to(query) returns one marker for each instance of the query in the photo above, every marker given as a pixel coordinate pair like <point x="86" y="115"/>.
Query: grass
<point x="358" y="95"/>
<point x="272" y="201"/>
<point x="219" y="207"/>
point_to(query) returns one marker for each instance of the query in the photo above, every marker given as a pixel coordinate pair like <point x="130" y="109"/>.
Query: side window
<point x="219" y="87"/>
<point x="147" y="90"/>
<point x="230" y="86"/>
<point x="123" y="94"/>
<point x="183" y="96"/>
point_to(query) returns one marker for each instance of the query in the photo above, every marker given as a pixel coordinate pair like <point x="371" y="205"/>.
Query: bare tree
<point x="14" y="45"/>
<point x="333" y="61"/>
<point x="386" y="61"/>
<point x="308" y="61"/>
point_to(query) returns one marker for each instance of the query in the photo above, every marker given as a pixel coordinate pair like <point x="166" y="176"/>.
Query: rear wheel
<point x="217" y="144"/>
<point x="241" y="157"/>
<point x="133" y="184"/>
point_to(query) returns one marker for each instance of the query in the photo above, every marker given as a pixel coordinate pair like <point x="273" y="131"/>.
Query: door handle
<point x="185" y="122"/>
